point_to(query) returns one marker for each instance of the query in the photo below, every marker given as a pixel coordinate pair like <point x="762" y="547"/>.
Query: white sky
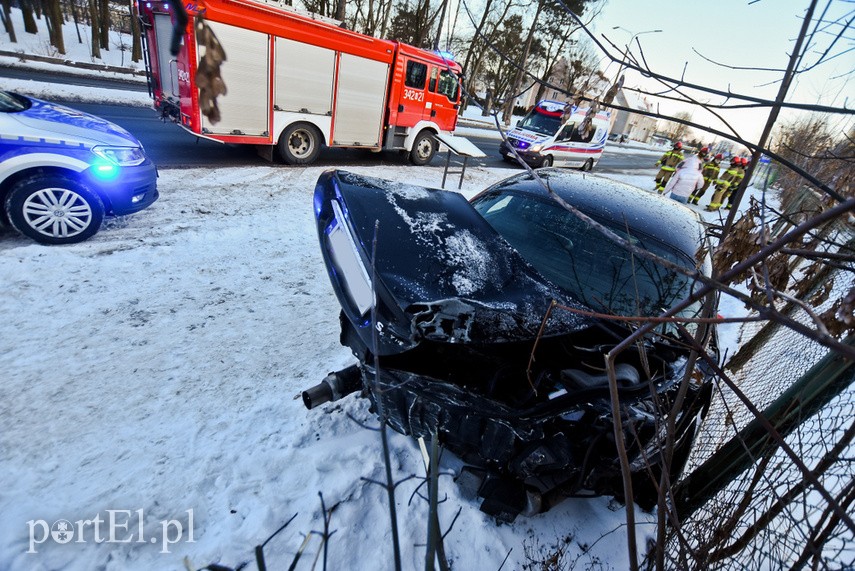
<point x="736" y="33"/>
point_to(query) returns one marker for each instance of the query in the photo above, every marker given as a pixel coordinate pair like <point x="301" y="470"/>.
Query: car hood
<point x="440" y="271"/>
<point x="528" y="136"/>
<point x="51" y="121"/>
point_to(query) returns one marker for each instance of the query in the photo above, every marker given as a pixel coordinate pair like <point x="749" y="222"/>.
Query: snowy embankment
<point x="155" y="371"/>
<point x="157" y="367"/>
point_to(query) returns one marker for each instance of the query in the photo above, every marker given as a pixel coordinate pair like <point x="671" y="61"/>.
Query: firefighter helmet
<point x="704" y="150"/>
<point x="678" y="145"/>
<point x="719" y="156"/>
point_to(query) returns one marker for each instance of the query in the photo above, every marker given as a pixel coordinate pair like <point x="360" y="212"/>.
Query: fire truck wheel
<point x="424" y="148"/>
<point x="300" y="144"/>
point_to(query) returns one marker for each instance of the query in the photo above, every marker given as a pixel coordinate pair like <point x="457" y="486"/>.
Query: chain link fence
<point x="747" y="502"/>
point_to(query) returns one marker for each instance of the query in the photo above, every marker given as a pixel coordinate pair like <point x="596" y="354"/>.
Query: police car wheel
<point x="424" y="148"/>
<point x="589" y="164"/>
<point x="54" y="209"/>
<point x="300" y="144"/>
<point x="548" y="161"/>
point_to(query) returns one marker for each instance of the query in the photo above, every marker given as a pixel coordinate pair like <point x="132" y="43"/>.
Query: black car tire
<point x="589" y="164"/>
<point x="424" y="149"/>
<point x="54" y="209"/>
<point x="300" y="144"/>
<point x="548" y="161"/>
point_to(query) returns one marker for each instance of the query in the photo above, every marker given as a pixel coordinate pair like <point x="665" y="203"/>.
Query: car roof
<point x="607" y="200"/>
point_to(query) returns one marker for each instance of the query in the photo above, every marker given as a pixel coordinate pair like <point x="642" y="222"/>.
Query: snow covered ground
<point x="152" y="375"/>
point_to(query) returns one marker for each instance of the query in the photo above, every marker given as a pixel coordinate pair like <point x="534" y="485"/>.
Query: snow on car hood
<point x="51" y="121"/>
<point x="443" y="272"/>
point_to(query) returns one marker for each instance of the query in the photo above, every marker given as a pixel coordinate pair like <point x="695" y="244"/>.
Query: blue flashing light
<point x="105" y="171"/>
<point x="166" y="6"/>
<point x="318" y="203"/>
<point x="445" y="55"/>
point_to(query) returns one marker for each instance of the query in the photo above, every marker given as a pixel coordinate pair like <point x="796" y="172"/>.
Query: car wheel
<point x="300" y="144"/>
<point x="424" y="148"/>
<point x="54" y="209"/>
<point x="548" y="161"/>
<point x="589" y="164"/>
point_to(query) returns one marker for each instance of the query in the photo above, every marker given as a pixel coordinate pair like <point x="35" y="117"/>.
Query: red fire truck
<point x="296" y="82"/>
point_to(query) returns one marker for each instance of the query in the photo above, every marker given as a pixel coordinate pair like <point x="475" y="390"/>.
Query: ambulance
<point x="549" y="136"/>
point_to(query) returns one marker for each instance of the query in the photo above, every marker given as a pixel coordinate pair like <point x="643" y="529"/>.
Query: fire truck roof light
<point x="166" y="6"/>
<point x="445" y="55"/>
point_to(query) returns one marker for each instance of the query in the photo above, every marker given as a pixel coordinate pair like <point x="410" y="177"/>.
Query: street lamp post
<point x="629" y="43"/>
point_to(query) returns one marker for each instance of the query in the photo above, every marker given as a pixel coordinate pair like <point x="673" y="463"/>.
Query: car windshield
<point x="541" y="122"/>
<point x="579" y="258"/>
<point x="12" y="102"/>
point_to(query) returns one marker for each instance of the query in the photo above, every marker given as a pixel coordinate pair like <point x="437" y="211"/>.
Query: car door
<point x="411" y="104"/>
<point x="442" y="96"/>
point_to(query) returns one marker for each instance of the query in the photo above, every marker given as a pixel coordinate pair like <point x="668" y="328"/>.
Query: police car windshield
<point x="13" y="103"/>
<point x="540" y="122"/>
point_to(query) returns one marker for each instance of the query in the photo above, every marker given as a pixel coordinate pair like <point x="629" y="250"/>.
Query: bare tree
<point x="29" y="19"/>
<point x="54" y="20"/>
<point x="94" y="19"/>
<point x="136" y="41"/>
<point x="6" y="13"/>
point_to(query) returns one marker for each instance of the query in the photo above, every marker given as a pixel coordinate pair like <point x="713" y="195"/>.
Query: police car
<point x="63" y="171"/>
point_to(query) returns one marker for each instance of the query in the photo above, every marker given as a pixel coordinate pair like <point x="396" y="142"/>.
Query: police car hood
<point x="50" y="121"/>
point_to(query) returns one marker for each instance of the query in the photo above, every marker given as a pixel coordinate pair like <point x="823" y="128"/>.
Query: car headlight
<point x="122" y="156"/>
<point x="535" y="148"/>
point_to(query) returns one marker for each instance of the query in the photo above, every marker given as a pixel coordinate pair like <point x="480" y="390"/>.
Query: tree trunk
<point x="422" y="16"/>
<point x="7" y="21"/>
<point x="509" y="106"/>
<point x="340" y="10"/>
<point x="56" y="19"/>
<point x="29" y="18"/>
<point x="104" y="7"/>
<point x="94" y="20"/>
<point x="136" y="41"/>
<point x="76" y="19"/>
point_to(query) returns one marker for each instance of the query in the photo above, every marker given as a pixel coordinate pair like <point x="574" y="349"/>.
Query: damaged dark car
<point x="484" y="322"/>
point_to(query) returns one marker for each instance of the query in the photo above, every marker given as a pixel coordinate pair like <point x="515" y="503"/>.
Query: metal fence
<point x="748" y="503"/>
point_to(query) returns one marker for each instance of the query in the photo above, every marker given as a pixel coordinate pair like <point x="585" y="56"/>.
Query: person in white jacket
<point x="686" y="180"/>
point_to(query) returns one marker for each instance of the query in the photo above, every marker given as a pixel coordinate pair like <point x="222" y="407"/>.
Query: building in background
<point x="635" y="126"/>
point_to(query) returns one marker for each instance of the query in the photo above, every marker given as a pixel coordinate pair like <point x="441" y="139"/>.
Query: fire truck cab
<point x="296" y="82"/>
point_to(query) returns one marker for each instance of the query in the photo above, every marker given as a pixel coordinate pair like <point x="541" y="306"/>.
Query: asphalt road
<point x="170" y="146"/>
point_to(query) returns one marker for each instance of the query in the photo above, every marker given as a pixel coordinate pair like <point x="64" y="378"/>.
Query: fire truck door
<point x="360" y="101"/>
<point x="167" y="64"/>
<point x="441" y="97"/>
<point x="245" y="108"/>
<point x="411" y="106"/>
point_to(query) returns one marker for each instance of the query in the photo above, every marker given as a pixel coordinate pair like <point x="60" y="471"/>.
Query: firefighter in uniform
<point x="740" y="174"/>
<point x="723" y="184"/>
<point x="710" y="172"/>
<point x="668" y="164"/>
